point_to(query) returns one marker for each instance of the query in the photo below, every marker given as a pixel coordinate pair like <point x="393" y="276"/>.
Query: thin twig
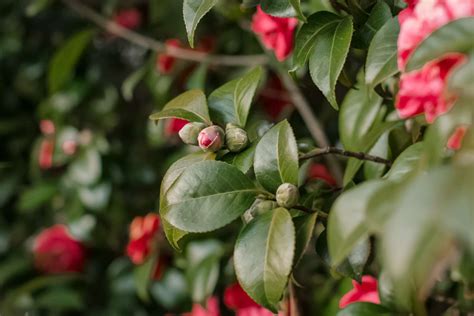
<point x="337" y="151"/>
<point x="314" y="126"/>
<point x="310" y="211"/>
<point x="159" y="47"/>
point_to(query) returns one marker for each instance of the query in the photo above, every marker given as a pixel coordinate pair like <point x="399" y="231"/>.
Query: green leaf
<point x="36" y="6"/>
<point x="347" y="223"/>
<point x="172" y="291"/>
<point x="433" y="215"/>
<point x="208" y="196"/>
<point x="65" y="59"/>
<point x="364" y="309"/>
<point x="328" y="57"/>
<point x="382" y="55"/>
<point x="304" y="227"/>
<point x="276" y="157"/>
<point x="243" y="160"/>
<point x="132" y="81"/>
<point x="37" y="196"/>
<point x="296" y="4"/>
<point x="263" y="256"/>
<point x="172" y="233"/>
<point x="87" y="168"/>
<point x="193" y="12"/>
<point x="60" y="299"/>
<point x="357" y="116"/>
<point x="191" y="106"/>
<point x="378" y="16"/>
<point x="373" y="170"/>
<point x="405" y="163"/>
<point x="142" y="275"/>
<point x="453" y="37"/>
<point x="461" y="80"/>
<point x="307" y="35"/>
<point x="231" y="102"/>
<point x="280" y="8"/>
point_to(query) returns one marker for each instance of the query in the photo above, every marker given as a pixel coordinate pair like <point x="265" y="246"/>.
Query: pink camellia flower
<point x="69" y="147"/>
<point x="455" y="140"/>
<point x="275" y="33"/>
<point x="130" y="18"/>
<point x="362" y="292"/>
<point x="212" y="308"/>
<point x="236" y="299"/>
<point x="422" y="17"/>
<point x="56" y="251"/>
<point x="320" y="171"/>
<point x="45" y="154"/>
<point x="47" y="127"/>
<point x="142" y="235"/>
<point x="211" y="138"/>
<point x="165" y="62"/>
<point x="423" y="91"/>
<point x="174" y="125"/>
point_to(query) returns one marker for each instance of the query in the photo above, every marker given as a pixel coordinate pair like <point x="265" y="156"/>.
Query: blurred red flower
<point x="362" y="292"/>
<point x="56" y="251"/>
<point x="320" y="171"/>
<point x="129" y="18"/>
<point x="142" y="235"/>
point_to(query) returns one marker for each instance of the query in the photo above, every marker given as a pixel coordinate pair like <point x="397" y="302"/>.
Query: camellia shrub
<point x="247" y="157"/>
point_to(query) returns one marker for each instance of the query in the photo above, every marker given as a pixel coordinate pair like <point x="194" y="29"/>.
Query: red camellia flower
<point x="174" y="125"/>
<point x="166" y="62"/>
<point x="275" y="33"/>
<point x="320" y="171"/>
<point x="274" y="98"/>
<point x="56" y="251"/>
<point x="142" y="235"/>
<point x="211" y="309"/>
<point x="236" y="299"/>
<point x="47" y="127"/>
<point x="362" y="292"/>
<point x="423" y="91"/>
<point x="45" y="155"/>
<point x="130" y="18"/>
<point x="455" y="140"/>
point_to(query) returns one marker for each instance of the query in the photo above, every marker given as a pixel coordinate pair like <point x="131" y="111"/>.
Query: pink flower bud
<point x="211" y="138"/>
<point x="47" y="127"/>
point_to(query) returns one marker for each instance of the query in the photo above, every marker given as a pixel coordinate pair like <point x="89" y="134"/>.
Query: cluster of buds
<point x="213" y="138"/>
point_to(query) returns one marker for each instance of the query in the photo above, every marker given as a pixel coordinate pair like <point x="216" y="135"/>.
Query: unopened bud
<point x="263" y="206"/>
<point x="211" y="138"/>
<point x="287" y="195"/>
<point x="236" y="138"/>
<point x="190" y="132"/>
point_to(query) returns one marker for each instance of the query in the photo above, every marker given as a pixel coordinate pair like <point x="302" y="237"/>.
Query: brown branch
<point x="159" y="47"/>
<point x="337" y="151"/>
<point x="314" y="126"/>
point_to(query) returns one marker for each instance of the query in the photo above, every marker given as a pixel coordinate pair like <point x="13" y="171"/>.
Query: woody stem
<point x="337" y="151"/>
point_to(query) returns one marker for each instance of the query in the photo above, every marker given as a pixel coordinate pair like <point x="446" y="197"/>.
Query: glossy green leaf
<point x="65" y="59"/>
<point x="276" y="157"/>
<point x="461" y="80"/>
<point x="304" y="227"/>
<point x="307" y="35"/>
<point x="203" y="279"/>
<point x="191" y="106"/>
<point x="193" y="12"/>
<point x="434" y="213"/>
<point x="208" y="196"/>
<point x="347" y="223"/>
<point x="405" y="163"/>
<point x="172" y="233"/>
<point x="280" y="8"/>
<point x="378" y="16"/>
<point x="365" y="309"/>
<point x="328" y="57"/>
<point x="382" y="55"/>
<point x="37" y="196"/>
<point x="263" y="256"/>
<point x="453" y="37"/>
<point x="373" y="170"/>
<point x="143" y="276"/>
<point x="243" y="160"/>
<point x="60" y="299"/>
<point x="129" y="84"/>
<point x="296" y="4"/>
<point x="231" y="102"/>
<point x="36" y="6"/>
<point x="172" y="291"/>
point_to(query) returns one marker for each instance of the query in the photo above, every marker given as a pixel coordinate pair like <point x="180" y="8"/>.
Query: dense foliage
<point x="219" y="157"/>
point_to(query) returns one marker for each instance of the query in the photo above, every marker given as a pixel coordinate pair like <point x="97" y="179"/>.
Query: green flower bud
<point x="211" y="138"/>
<point x="263" y="206"/>
<point x="190" y="132"/>
<point x="287" y="195"/>
<point x="236" y="138"/>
